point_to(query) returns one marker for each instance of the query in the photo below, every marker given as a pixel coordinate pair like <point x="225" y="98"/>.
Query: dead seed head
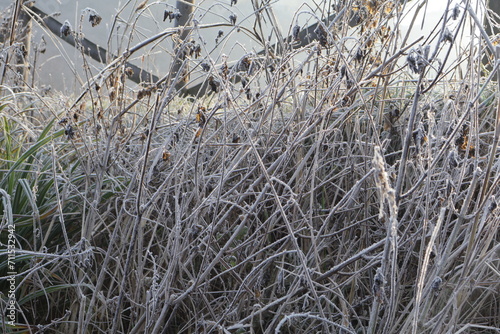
<point x="95" y="19"/>
<point x="447" y="35"/>
<point x="65" y="28"/>
<point x="416" y="60"/>
<point x="437" y="285"/>
<point x="456" y="11"/>
<point x="232" y="18"/>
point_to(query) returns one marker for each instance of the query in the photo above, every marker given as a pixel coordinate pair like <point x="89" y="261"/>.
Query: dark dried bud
<point x="281" y="282"/>
<point x="201" y="119"/>
<point x="205" y="67"/>
<point x="214" y="84"/>
<point x="343" y="72"/>
<point x="232" y="19"/>
<point x="65" y="28"/>
<point x="493" y="204"/>
<point x="170" y="15"/>
<point x="452" y="159"/>
<point x="234" y="2"/>
<point x="449" y="188"/>
<point x="360" y="54"/>
<point x="436" y="285"/>
<point x="416" y="61"/>
<point x="321" y="35"/>
<point x="194" y="231"/>
<point x="412" y="62"/>
<point x="419" y="137"/>
<point x="220" y="34"/>
<point x="456" y="12"/>
<point x="95" y="19"/>
<point x="143" y="93"/>
<point x="295" y="33"/>
<point x="244" y="64"/>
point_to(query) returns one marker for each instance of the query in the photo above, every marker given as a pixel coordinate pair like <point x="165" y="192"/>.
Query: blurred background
<point x="60" y="66"/>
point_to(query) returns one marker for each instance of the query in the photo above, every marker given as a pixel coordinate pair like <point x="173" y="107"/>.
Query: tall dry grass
<point x="343" y="181"/>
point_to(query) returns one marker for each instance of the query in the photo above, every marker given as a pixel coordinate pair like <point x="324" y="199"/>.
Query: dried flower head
<point x="417" y="60"/>
<point x="176" y="16"/>
<point x="343" y="72"/>
<point x="69" y="132"/>
<point x="166" y="155"/>
<point x="379" y="278"/>
<point x="244" y="64"/>
<point x="493" y="204"/>
<point x="129" y="71"/>
<point x="295" y="32"/>
<point x="447" y="35"/>
<point x="235" y="139"/>
<point x="456" y="12"/>
<point x="143" y="93"/>
<point x="65" y="28"/>
<point x="280" y="278"/>
<point x="453" y="159"/>
<point x="321" y="34"/>
<point x="95" y="19"/>
<point x="232" y="18"/>
<point x="360" y="54"/>
<point x="436" y="285"/>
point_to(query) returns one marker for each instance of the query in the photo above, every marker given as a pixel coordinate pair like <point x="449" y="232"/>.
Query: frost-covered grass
<point x="345" y="184"/>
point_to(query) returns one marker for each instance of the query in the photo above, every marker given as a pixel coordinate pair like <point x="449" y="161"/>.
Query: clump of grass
<point x="341" y="181"/>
